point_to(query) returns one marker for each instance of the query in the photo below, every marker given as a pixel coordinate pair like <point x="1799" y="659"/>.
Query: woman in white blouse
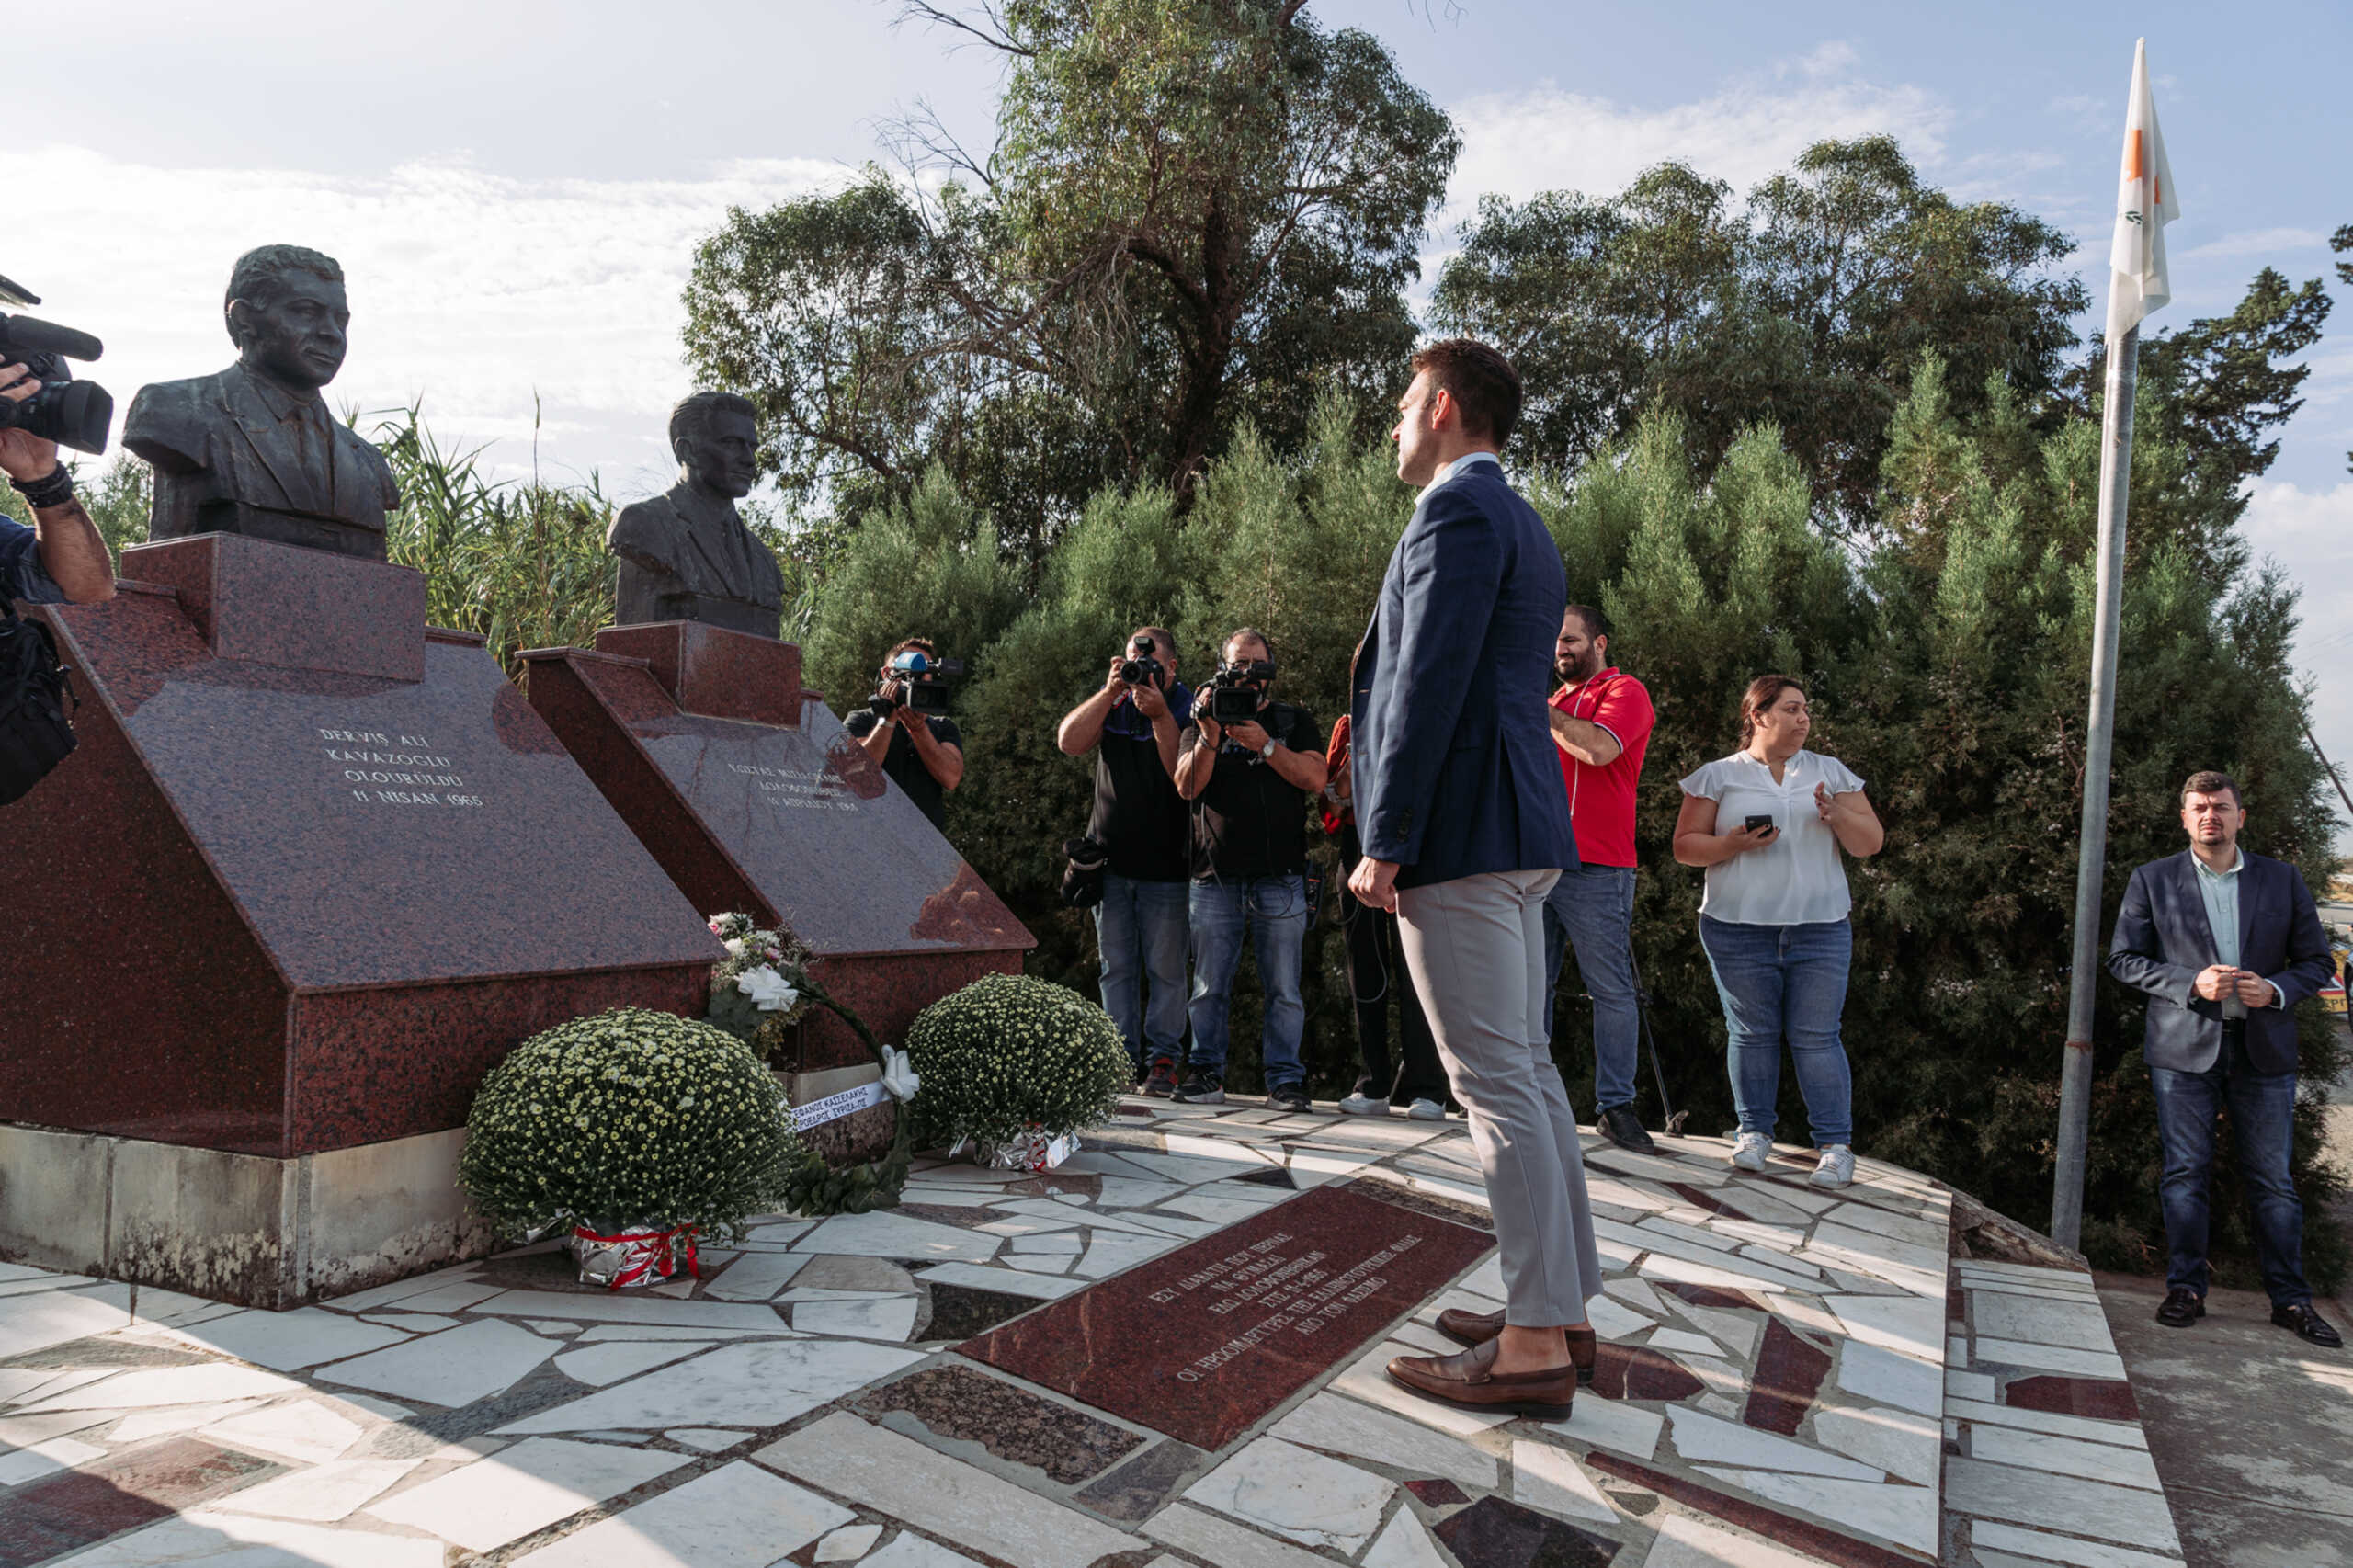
<point x="1768" y="823"/>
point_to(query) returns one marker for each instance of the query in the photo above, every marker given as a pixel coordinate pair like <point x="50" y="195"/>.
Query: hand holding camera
<point x="912" y="684"/>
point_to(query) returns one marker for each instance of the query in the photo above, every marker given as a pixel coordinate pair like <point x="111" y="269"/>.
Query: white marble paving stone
<point x="738" y="1516"/>
<point x="1956" y="1350"/>
<point x="171" y="1418"/>
<point x="1612" y="1424"/>
<point x="1613" y="1320"/>
<point x="614" y="1306"/>
<point x="2064" y="1456"/>
<point x="24" y="1431"/>
<point x="846" y="1544"/>
<point x="1296" y="1494"/>
<point x="756" y="1276"/>
<point x="946" y="1197"/>
<point x="485" y="1357"/>
<point x="1924" y="1233"/>
<point x="208" y="1382"/>
<point x="877" y="1317"/>
<point x="1213" y="1539"/>
<point x="1056" y="1242"/>
<point x="1222" y="1207"/>
<point x="522" y="1489"/>
<point x="1133" y="1192"/>
<point x="1546" y="1477"/>
<point x="380" y="1296"/>
<point x="1969" y="1385"/>
<point x="305" y="1431"/>
<point x="53" y="1317"/>
<point x="173" y="1306"/>
<point x="754" y="1383"/>
<point x="1367" y="1379"/>
<point x="1886" y="1377"/>
<point x="1234" y="1154"/>
<point x="2049" y="1359"/>
<point x="1685" y="1542"/>
<point x="1703" y="1439"/>
<point x="709" y="1440"/>
<point x="1361" y="1431"/>
<point x="242" y="1540"/>
<point x="551" y="1327"/>
<point x="21" y="1465"/>
<point x="1673" y="1270"/>
<point x="457" y="1296"/>
<point x="1063" y="1223"/>
<point x="1107" y="1254"/>
<point x="1012" y="1281"/>
<point x="1912" y="1324"/>
<point x="1685" y="1344"/>
<point x="1737" y="1331"/>
<point x="287" y="1342"/>
<point x="1159" y="1223"/>
<point x="2040" y="1320"/>
<point x="1405" y="1543"/>
<point x="605" y="1333"/>
<point x="17" y="1382"/>
<point x="14" y="1272"/>
<point x="1903" y="1443"/>
<point x="322" y="1494"/>
<point x="1635" y="1293"/>
<point x="1313" y="1167"/>
<point x="1039" y="1263"/>
<point x="2124" y="1434"/>
<point x="941" y="1496"/>
<point x="1905" y="1514"/>
<point x="1782" y="1238"/>
<point x="599" y="1365"/>
<point x="414" y="1323"/>
<point x="2044" y="1546"/>
<point x="882" y="1234"/>
<point x="2126" y="1516"/>
<point x="2002" y="1268"/>
<point x="1661" y="1224"/>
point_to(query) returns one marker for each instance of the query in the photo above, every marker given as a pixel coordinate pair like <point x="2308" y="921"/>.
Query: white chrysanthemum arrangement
<point x="1008" y="1056"/>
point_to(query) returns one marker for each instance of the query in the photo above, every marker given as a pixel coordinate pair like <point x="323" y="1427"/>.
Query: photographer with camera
<point x="1142" y="826"/>
<point x="902" y="727"/>
<point x="61" y="559"/>
<point x="1250" y="765"/>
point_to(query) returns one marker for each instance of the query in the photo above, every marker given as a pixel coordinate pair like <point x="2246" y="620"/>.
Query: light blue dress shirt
<point x="2220" y="893"/>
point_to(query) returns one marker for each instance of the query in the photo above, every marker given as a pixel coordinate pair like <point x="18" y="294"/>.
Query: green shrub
<point x="630" y="1117"/>
<point x="1008" y="1053"/>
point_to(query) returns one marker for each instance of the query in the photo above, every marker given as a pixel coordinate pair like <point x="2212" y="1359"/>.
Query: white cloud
<point x="2309" y="532"/>
<point x="472" y="289"/>
<point x="2260" y="242"/>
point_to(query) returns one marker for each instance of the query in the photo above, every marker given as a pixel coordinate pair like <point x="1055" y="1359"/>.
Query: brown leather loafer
<point x="1477" y="1328"/>
<point x="1465" y="1379"/>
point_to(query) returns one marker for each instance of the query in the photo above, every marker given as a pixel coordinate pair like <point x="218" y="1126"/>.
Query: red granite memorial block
<point x="1203" y="1343"/>
<point x="312" y="868"/>
<point x="746" y="790"/>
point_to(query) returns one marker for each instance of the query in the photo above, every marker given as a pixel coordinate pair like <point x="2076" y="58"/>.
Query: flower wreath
<point x="760" y="991"/>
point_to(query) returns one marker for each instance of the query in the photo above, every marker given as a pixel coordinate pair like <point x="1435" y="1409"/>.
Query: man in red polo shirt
<point x="1601" y="723"/>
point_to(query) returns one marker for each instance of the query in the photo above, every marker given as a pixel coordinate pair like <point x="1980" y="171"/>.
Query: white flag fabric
<point x="2144" y="205"/>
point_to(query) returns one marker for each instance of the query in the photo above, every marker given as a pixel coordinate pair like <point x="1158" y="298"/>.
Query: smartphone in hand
<point x="1755" y="824"/>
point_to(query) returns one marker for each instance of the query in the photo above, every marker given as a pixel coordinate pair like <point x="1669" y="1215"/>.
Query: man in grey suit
<point x="2226" y="944"/>
<point x="1465" y="824"/>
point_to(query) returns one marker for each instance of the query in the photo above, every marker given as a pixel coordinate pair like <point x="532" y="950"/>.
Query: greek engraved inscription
<point x="1276" y="1292"/>
<point x="406" y="772"/>
<point x="797" y="788"/>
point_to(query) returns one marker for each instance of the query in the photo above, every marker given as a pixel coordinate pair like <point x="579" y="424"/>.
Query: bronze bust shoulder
<point x="686" y="554"/>
<point x="253" y="449"/>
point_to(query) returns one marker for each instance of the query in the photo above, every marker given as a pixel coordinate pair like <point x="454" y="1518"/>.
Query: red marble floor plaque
<point x="1204" y="1342"/>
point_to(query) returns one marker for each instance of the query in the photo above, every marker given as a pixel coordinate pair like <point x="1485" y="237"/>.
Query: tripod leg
<point x="1673" y="1119"/>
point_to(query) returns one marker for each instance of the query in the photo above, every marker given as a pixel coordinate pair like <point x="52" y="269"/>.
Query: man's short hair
<point x="917" y="645"/>
<point x="1595" y="626"/>
<point x="1254" y="635"/>
<point x="692" y="416"/>
<point x="1164" y="644"/>
<point x="2209" y="782"/>
<point x="1480" y="380"/>
<point x="258" y="272"/>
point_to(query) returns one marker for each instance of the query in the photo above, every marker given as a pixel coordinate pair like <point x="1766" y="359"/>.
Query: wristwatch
<point x="1268" y="750"/>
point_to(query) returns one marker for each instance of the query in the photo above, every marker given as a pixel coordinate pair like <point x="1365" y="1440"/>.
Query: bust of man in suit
<point x="253" y="451"/>
<point x="686" y="554"/>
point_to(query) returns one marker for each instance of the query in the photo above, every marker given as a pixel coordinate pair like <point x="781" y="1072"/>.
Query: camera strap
<point x="36" y="704"/>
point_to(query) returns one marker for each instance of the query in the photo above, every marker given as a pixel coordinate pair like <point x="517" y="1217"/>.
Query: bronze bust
<point x="253" y="449"/>
<point x="686" y="554"/>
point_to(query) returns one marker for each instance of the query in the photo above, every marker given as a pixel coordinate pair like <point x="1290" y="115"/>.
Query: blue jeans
<point x="1273" y="910"/>
<point x="1141" y="927"/>
<point x="1592" y="908"/>
<point x="1785" y="982"/>
<point x="2263" y="1110"/>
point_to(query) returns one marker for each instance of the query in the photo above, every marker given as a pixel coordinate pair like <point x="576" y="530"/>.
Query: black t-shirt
<point x="1250" y="821"/>
<point x="904" y="769"/>
<point x="1143" y="823"/>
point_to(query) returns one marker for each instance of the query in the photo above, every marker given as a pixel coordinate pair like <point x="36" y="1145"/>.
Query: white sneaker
<point x="1837" y="1169"/>
<point x="1426" y="1110"/>
<point x="1363" y="1104"/>
<point x="1749" y="1155"/>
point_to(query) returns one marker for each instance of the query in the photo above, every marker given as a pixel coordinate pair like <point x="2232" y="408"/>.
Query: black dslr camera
<point x="70" y="413"/>
<point x="1140" y="669"/>
<point x="1236" y="692"/>
<point x="922" y="680"/>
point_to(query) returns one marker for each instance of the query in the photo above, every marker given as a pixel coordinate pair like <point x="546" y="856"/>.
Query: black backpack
<point x="36" y="728"/>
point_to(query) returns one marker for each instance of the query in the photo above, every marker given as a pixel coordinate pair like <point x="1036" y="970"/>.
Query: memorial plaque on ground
<point x="1204" y="1342"/>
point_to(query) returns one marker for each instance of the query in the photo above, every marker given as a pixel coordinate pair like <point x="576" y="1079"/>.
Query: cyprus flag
<point x="2144" y="205"/>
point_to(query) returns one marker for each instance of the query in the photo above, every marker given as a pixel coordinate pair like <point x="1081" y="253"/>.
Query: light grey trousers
<point x="1475" y="948"/>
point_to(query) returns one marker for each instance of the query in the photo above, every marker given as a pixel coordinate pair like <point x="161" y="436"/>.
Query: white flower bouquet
<point x="761" y="989"/>
<point x="1013" y="1060"/>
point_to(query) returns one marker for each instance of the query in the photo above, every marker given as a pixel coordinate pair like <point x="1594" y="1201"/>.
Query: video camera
<point x="921" y="679"/>
<point x="1140" y="669"/>
<point x="70" y="413"/>
<point x="1235" y="693"/>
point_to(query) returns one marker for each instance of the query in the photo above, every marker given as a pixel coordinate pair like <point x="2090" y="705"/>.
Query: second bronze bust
<point x="686" y="554"/>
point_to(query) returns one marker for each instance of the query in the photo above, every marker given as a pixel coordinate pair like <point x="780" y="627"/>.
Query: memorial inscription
<point x="1203" y="1343"/>
<point x="395" y="770"/>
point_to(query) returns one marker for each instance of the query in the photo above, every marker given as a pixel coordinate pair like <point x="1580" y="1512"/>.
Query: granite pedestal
<point x="748" y="790"/>
<point x="313" y="870"/>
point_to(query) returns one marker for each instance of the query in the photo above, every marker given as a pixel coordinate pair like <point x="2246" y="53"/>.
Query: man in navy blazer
<point x="2226" y="944"/>
<point x="1465" y="823"/>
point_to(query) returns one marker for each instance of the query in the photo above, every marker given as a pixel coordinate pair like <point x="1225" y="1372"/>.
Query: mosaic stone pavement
<point x="1788" y="1377"/>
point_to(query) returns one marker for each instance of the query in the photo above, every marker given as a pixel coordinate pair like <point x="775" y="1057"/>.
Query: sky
<point x="516" y="187"/>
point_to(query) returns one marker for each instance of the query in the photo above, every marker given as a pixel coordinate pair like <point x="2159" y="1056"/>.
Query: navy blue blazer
<point x="1456" y="772"/>
<point x="2162" y="940"/>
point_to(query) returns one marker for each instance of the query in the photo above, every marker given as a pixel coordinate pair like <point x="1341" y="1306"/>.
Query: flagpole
<point x="2075" y="1074"/>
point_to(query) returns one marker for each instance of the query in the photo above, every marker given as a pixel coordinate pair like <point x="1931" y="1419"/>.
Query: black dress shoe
<point x="2308" y="1324"/>
<point x="1620" y="1125"/>
<point x="2183" y="1306"/>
